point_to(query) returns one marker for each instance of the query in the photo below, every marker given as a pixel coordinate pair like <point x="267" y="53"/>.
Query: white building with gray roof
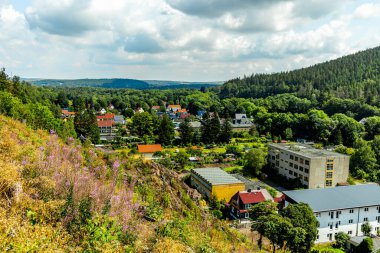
<point x="341" y="209"/>
<point x="315" y="168"/>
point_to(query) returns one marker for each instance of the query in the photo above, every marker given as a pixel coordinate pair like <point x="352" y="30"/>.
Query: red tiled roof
<point x="155" y="107"/>
<point x="149" y="148"/>
<point x="106" y="123"/>
<point x="106" y="116"/>
<point x="66" y="112"/>
<point x="251" y="197"/>
<point x="174" y="106"/>
<point x="181" y="110"/>
<point x="279" y="199"/>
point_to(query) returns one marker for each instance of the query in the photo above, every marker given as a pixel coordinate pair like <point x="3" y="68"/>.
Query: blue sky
<point x="198" y="40"/>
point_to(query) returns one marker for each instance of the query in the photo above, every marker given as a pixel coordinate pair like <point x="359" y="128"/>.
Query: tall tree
<point x="142" y="124"/>
<point x="186" y="132"/>
<point x="301" y="216"/>
<point x="363" y="161"/>
<point x="166" y="131"/>
<point x="254" y="161"/>
<point x="225" y="135"/>
<point x="86" y="125"/>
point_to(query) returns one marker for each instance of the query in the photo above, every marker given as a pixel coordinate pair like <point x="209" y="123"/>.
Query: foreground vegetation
<point x="70" y="197"/>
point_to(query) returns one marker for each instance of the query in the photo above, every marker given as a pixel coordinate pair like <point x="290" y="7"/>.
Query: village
<point x="286" y="172"/>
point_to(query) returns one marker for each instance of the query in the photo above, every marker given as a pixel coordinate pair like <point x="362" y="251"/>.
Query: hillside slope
<point x="60" y="197"/>
<point x="355" y="76"/>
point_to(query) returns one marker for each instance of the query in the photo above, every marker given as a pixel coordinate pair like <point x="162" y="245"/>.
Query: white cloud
<point x="179" y="39"/>
<point x="367" y="10"/>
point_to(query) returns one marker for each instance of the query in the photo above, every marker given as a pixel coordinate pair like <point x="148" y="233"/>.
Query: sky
<point x="197" y="40"/>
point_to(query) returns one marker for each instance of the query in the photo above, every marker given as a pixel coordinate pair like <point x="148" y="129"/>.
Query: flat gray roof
<point x="216" y="176"/>
<point x="340" y="197"/>
<point x="305" y="150"/>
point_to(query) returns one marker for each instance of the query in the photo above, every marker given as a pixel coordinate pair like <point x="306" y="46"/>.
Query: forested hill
<point x="121" y="83"/>
<point x="355" y="76"/>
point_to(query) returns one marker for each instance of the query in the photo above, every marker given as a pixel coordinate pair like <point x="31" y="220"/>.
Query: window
<point x="329" y="236"/>
<point x="329" y="167"/>
<point x="291" y="164"/>
<point x="277" y="163"/>
<point x="331" y="225"/>
<point x="329" y="175"/>
<point x="273" y="157"/>
<point x="328" y="182"/>
<point x="366" y="209"/>
<point x="365" y="219"/>
<point x="317" y="214"/>
<point x="291" y="157"/>
<point x="295" y="174"/>
<point x="277" y="156"/>
<point x="331" y="214"/>
<point x="350" y="221"/>
<point x="296" y="158"/>
<point x="330" y="160"/>
<point x="378" y="219"/>
<point x="301" y="160"/>
<point x="349" y="232"/>
<point x="306" y="178"/>
<point x="306" y="170"/>
<point x="351" y="210"/>
<point x="307" y="162"/>
<point x="301" y="168"/>
<point x="296" y="166"/>
<point x="290" y="172"/>
<point x="246" y="215"/>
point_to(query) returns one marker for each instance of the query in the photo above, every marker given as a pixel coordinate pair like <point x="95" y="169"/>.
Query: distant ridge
<point x="120" y="83"/>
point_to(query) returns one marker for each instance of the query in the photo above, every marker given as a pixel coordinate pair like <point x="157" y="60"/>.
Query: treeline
<point x="355" y="76"/>
<point x="35" y="106"/>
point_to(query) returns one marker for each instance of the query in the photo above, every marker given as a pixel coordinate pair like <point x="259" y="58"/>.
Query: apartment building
<point x="341" y="209"/>
<point x="215" y="182"/>
<point x="316" y="168"/>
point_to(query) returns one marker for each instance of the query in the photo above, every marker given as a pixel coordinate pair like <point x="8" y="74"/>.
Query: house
<point x="241" y="123"/>
<point x="67" y="114"/>
<point x="102" y="111"/>
<point x="111" y="107"/>
<point x="173" y="108"/>
<point x="147" y="150"/>
<point x="200" y="114"/>
<point x="315" y="168"/>
<point x="139" y="110"/>
<point x="215" y="182"/>
<point x="119" y="119"/>
<point x="106" y="126"/>
<point x="156" y="108"/>
<point x="341" y="209"/>
<point x="242" y="201"/>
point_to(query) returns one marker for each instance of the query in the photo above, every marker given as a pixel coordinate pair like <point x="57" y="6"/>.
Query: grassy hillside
<point x="355" y="76"/>
<point x="59" y="197"/>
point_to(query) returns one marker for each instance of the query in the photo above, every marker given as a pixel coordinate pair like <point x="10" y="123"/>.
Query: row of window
<point x="299" y="159"/>
<point x="298" y="175"/>
<point x="300" y="168"/>
<point x="351" y="211"/>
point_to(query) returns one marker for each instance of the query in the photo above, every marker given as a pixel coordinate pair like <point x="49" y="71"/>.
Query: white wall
<point x="355" y="227"/>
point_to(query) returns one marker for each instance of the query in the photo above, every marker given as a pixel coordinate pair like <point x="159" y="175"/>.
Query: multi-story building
<point x="316" y="168"/>
<point x="215" y="182"/>
<point x="341" y="209"/>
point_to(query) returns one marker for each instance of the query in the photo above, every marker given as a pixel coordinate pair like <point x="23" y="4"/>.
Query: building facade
<point x="215" y="182"/>
<point x="316" y="168"/>
<point x="242" y="201"/>
<point x="341" y="209"/>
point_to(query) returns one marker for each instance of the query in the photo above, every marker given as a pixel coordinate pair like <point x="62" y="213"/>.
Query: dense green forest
<point x="355" y="76"/>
